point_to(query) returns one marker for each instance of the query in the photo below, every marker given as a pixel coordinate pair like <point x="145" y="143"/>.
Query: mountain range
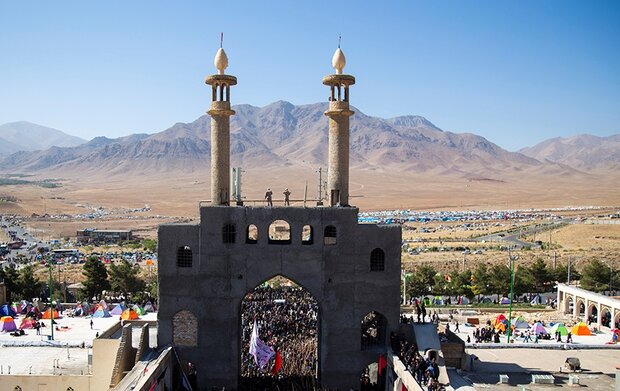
<point x="26" y="136"/>
<point x="284" y="134"/>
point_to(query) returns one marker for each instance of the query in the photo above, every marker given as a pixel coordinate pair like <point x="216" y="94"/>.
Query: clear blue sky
<point x="515" y="72"/>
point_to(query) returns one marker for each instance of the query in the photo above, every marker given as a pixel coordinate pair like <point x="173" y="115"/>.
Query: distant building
<point x="93" y="235"/>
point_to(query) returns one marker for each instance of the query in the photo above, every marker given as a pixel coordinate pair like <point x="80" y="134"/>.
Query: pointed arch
<point x="373" y="331"/>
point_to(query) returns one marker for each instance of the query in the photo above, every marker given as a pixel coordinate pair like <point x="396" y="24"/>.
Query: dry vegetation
<point x="579" y="242"/>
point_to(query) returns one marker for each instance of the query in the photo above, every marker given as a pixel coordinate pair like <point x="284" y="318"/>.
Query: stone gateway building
<point x="205" y="270"/>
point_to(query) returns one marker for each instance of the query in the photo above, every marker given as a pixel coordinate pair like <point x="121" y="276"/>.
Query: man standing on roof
<point x="268" y="196"/>
<point x="287" y="194"/>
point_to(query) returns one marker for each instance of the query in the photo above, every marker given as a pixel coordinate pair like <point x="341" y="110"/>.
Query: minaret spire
<point x="338" y="113"/>
<point x="220" y="113"/>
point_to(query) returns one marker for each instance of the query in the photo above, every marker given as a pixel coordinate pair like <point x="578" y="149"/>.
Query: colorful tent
<point x="581" y="329"/>
<point x="6" y="310"/>
<point x="558" y="327"/>
<point x="500" y="319"/>
<point x="101" y="312"/>
<point x="27" y="323"/>
<point x="129" y="314"/>
<point x="537" y="328"/>
<point x="139" y="310"/>
<point x="504" y="300"/>
<point x="118" y="310"/>
<point x="47" y="315"/>
<point x="520" y="323"/>
<point x="7" y="324"/>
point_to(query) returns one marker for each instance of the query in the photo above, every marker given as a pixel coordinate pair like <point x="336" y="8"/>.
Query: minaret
<point x="338" y="113"/>
<point x="220" y="113"/>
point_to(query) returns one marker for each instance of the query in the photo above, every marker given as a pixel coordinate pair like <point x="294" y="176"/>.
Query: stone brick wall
<point x="143" y="345"/>
<point x="125" y="357"/>
<point x="185" y="329"/>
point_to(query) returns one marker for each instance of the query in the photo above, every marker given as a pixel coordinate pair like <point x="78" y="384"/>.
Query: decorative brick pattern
<point x="185" y="329"/>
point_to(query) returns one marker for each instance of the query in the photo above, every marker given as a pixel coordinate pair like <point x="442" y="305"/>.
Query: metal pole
<point x="51" y="305"/>
<point x="512" y="280"/>
<point x="568" y="282"/>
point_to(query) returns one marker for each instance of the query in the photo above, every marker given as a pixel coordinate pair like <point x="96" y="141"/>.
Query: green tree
<point x="560" y="274"/>
<point x="542" y="278"/>
<point x="149" y="245"/>
<point x="96" y="278"/>
<point x="124" y="278"/>
<point x="595" y="276"/>
<point x="29" y="286"/>
<point x="523" y="281"/>
<point x="480" y="281"/>
<point x="462" y="284"/>
<point x="421" y="281"/>
<point x="499" y="280"/>
<point x="10" y="277"/>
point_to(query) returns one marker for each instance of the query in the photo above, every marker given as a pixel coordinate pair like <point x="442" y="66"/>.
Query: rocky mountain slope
<point x="26" y="136"/>
<point x="284" y="134"/>
<point x="583" y="151"/>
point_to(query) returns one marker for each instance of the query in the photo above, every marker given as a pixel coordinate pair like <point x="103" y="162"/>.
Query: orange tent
<point x="581" y="329"/>
<point x="46" y="314"/>
<point x="500" y="319"/>
<point x="129" y="314"/>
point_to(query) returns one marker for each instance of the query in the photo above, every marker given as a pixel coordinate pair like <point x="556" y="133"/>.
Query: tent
<point x="27" y="323"/>
<point x="103" y="304"/>
<point x="139" y="310"/>
<point x="559" y="327"/>
<point x="149" y="307"/>
<point x="581" y="329"/>
<point x="129" y="314"/>
<point x="520" y="323"/>
<point x="536" y="300"/>
<point x="537" y="328"/>
<point x="118" y="310"/>
<point x="6" y="310"/>
<point x="101" y="312"/>
<point x="7" y="324"/>
<point x="46" y="314"/>
<point x="23" y="307"/>
<point x="504" y="300"/>
<point x="79" y="310"/>
<point x="499" y="319"/>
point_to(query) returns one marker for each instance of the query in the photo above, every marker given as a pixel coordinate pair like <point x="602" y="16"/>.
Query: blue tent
<point x="101" y="313"/>
<point x="6" y="310"/>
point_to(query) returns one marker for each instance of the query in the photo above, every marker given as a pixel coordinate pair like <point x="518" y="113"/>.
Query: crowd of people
<point x="425" y="370"/>
<point x="287" y="318"/>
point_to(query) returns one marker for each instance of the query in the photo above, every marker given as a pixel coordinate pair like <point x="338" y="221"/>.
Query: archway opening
<point x="568" y="304"/>
<point x="581" y="309"/>
<point x="279" y="232"/>
<point x="605" y="317"/>
<point x="593" y="314"/>
<point x="617" y="321"/>
<point x="373" y="329"/>
<point x="279" y="318"/>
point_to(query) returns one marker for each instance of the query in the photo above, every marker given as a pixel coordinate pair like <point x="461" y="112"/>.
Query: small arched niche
<point x="279" y="232"/>
<point x="307" y="235"/>
<point x="251" y="236"/>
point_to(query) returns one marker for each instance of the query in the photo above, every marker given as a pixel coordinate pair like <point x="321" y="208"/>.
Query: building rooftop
<point x="35" y="354"/>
